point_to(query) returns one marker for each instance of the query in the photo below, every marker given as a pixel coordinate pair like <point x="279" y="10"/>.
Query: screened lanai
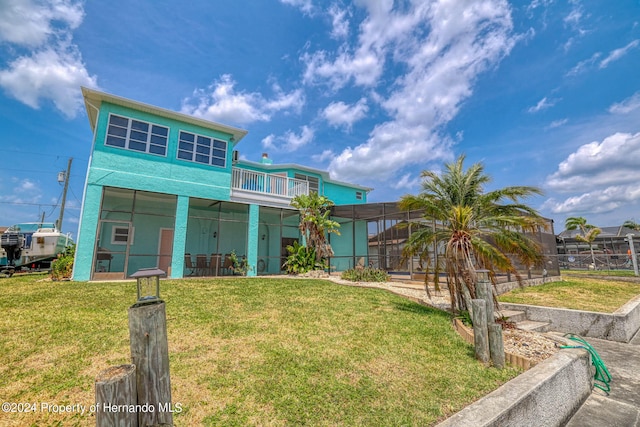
<point x="136" y="230"/>
<point x="388" y="227"/>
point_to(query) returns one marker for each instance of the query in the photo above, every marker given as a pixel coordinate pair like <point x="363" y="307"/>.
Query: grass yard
<point x="604" y="296"/>
<point x="618" y="273"/>
<point x="243" y="352"/>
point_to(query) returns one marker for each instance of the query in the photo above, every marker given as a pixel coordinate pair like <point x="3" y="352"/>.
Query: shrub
<point x="62" y="267"/>
<point x="238" y="265"/>
<point x="366" y="274"/>
<point x="465" y="316"/>
<point x="301" y="259"/>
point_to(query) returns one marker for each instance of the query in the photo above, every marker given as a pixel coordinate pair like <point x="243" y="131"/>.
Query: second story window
<point x="136" y="135"/>
<point x="314" y="183"/>
<point x="202" y="149"/>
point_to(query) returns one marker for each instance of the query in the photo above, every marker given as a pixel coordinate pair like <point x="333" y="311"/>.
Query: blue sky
<point x="542" y="92"/>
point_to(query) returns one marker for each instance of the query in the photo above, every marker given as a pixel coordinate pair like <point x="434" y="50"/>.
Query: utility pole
<point x="67" y="173"/>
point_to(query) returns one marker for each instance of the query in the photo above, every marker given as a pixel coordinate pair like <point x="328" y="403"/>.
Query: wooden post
<point x="484" y="291"/>
<point x="150" y="354"/>
<point x="480" y="334"/>
<point x="116" y="388"/>
<point x="496" y="345"/>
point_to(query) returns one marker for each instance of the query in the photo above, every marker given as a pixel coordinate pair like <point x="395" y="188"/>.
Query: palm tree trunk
<point x="593" y="256"/>
<point x="466" y="296"/>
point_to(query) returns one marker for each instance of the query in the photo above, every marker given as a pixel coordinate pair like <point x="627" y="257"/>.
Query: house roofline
<point x="93" y="99"/>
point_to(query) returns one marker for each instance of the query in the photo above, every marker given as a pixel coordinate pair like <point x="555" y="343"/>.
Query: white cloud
<point x="557" y="123"/>
<point x="220" y="102"/>
<point x="626" y="106"/>
<point x="324" y="156"/>
<point x="538" y="3"/>
<point x="363" y="66"/>
<point x="27" y="185"/>
<point x="597" y="201"/>
<point x="32" y="22"/>
<point x="616" y="54"/>
<point x="22" y="191"/>
<point x="295" y="141"/>
<point x="52" y="68"/>
<point x="600" y="176"/>
<point x="582" y="66"/>
<point x="364" y="63"/>
<point x="407" y="182"/>
<point x="55" y="73"/>
<point x="574" y="20"/>
<point x="269" y="141"/>
<point x="305" y="6"/>
<point x="339" y="22"/>
<point x="290" y="141"/>
<point x="444" y="47"/>
<point x="285" y="101"/>
<point x="574" y="17"/>
<point x="340" y="114"/>
<point x="543" y="104"/>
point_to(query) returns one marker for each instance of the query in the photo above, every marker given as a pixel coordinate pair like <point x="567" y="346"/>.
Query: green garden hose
<point x="602" y="377"/>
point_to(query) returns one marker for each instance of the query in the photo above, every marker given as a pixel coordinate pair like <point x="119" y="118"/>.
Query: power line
<point x="53" y="172"/>
<point x="40" y="153"/>
<point x="35" y="204"/>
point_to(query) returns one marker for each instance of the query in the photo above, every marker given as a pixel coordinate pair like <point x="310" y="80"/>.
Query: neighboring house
<point x="167" y="190"/>
<point x="611" y="248"/>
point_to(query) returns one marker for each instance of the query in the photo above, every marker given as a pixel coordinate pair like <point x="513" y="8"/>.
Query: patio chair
<point x="188" y="265"/>
<point x="214" y="264"/>
<point x="201" y="264"/>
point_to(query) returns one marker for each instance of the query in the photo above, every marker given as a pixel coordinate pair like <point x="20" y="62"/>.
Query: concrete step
<point x="530" y="325"/>
<point x="512" y="315"/>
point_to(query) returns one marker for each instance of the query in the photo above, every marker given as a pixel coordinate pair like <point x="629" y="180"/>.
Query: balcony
<point x="265" y="188"/>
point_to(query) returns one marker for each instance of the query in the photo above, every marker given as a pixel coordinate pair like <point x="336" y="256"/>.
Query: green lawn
<point x="618" y="273"/>
<point x="605" y="296"/>
<point x="244" y="352"/>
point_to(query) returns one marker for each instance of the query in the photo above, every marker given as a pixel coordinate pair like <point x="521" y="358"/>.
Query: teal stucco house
<point x="165" y="189"/>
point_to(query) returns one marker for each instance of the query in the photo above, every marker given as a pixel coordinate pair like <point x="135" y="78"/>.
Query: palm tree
<point x="588" y="232"/>
<point x="478" y="229"/>
<point x="315" y="223"/>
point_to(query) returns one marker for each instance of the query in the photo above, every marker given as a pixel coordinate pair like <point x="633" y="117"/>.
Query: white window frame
<point x="310" y="179"/>
<point x="194" y="151"/>
<point x="127" y="138"/>
<point x="115" y="232"/>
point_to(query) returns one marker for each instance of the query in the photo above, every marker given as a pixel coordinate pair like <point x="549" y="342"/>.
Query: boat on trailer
<point x="31" y="245"/>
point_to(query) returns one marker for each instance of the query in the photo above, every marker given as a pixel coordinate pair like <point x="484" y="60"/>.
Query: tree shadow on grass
<point x="414" y="307"/>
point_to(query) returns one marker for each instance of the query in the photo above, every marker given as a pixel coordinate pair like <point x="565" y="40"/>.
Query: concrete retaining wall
<point x="546" y="395"/>
<point x="619" y="326"/>
<point x="502" y="288"/>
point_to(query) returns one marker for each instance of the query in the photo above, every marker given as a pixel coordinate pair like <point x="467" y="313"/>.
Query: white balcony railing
<point x="261" y="183"/>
